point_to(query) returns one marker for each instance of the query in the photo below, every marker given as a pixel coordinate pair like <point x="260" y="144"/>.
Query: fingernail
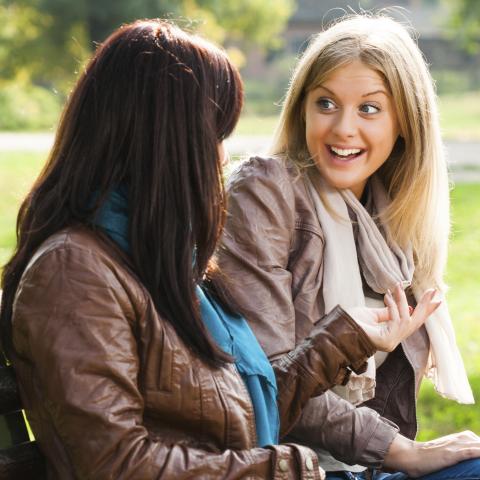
<point x="410" y="309"/>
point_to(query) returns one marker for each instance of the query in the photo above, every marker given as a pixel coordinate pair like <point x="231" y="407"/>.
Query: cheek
<point x="382" y="136"/>
<point x="391" y="131"/>
<point x="315" y="129"/>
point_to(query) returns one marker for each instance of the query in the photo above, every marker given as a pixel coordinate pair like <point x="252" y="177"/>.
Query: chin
<point x="341" y="184"/>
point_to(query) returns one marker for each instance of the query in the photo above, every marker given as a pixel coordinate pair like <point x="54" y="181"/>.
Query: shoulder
<point x="76" y="264"/>
<point x="266" y="178"/>
<point x="267" y="169"/>
<point x="80" y="246"/>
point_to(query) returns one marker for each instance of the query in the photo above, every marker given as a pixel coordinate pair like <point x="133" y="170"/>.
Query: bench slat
<point x="23" y="461"/>
<point x="9" y="398"/>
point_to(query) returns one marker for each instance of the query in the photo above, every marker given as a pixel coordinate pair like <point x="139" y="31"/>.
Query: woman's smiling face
<point x="351" y="126"/>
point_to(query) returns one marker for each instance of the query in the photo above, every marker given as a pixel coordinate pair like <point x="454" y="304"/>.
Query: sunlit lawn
<point x="436" y="415"/>
<point x="460" y="116"/>
<point x="18" y="170"/>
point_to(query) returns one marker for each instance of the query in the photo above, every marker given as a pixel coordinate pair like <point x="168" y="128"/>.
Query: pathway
<point x="464" y="157"/>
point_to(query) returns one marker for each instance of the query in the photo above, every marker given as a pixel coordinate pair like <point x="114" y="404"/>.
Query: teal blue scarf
<point x="231" y="332"/>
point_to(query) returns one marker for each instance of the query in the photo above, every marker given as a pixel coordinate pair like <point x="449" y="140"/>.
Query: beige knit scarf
<point x="383" y="265"/>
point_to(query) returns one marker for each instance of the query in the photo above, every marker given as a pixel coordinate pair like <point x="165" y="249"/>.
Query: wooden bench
<point x="20" y="458"/>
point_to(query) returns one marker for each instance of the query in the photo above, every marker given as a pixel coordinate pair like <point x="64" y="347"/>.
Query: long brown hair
<point x="148" y="112"/>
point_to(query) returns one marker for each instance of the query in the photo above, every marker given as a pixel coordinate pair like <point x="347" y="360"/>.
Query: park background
<point x="45" y="43"/>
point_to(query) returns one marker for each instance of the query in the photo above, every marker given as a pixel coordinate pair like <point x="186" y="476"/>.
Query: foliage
<point x="36" y="46"/>
<point x="47" y="41"/>
<point x="465" y="22"/>
<point x="265" y="97"/>
<point x="249" y="21"/>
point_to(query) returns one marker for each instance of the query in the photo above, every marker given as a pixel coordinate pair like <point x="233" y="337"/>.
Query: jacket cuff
<point x="379" y="443"/>
<point x="349" y="338"/>
<point x="295" y="461"/>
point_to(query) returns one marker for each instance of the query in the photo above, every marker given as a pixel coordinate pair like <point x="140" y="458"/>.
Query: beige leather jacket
<point x="111" y="392"/>
<point x="271" y="253"/>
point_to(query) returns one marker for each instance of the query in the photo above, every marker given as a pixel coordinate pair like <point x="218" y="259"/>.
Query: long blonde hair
<point x="415" y="175"/>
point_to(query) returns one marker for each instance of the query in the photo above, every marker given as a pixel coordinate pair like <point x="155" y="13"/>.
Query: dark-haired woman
<point x="130" y="363"/>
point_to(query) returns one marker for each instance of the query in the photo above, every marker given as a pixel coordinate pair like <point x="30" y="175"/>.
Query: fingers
<point x="401" y="301"/>
<point x="393" y="330"/>
<point x="425" y="307"/>
<point x="382" y="314"/>
<point x="392" y="308"/>
<point x="434" y="303"/>
<point x="401" y="325"/>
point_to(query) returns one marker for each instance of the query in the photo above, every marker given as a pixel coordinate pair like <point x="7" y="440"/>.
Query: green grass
<point x="436" y="415"/>
<point x="460" y="116"/>
<point x="256" y="125"/>
<point x="17" y="172"/>
<point x="463" y="271"/>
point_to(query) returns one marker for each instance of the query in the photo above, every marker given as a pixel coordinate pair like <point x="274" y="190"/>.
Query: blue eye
<point x="369" y="108"/>
<point x="325" y="104"/>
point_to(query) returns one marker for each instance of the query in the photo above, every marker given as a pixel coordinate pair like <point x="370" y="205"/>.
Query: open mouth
<point x="345" y="153"/>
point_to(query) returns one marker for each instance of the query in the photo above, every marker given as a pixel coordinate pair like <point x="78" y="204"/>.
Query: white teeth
<point x="346" y="152"/>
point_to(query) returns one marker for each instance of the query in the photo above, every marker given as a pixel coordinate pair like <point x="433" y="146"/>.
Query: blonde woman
<point x="353" y="204"/>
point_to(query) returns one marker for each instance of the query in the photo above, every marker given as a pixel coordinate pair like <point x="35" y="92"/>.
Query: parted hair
<point x="148" y="113"/>
<point x="415" y="175"/>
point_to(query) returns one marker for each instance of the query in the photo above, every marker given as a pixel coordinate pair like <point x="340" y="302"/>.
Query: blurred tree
<point x="46" y="41"/>
<point x="38" y="47"/>
<point x="465" y="21"/>
<point x="240" y="24"/>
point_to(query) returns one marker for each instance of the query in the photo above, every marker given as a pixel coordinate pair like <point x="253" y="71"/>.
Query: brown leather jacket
<point x="111" y="392"/>
<point x="271" y="251"/>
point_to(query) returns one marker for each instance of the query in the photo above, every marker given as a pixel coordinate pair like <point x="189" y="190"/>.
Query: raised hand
<point x="387" y="327"/>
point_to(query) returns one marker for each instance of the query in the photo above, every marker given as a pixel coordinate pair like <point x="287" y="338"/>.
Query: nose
<point x="345" y="124"/>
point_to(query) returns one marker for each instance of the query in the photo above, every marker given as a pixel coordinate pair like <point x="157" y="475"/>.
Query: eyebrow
<point x="365" y="95"/>
<point x="375" y="92"/>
